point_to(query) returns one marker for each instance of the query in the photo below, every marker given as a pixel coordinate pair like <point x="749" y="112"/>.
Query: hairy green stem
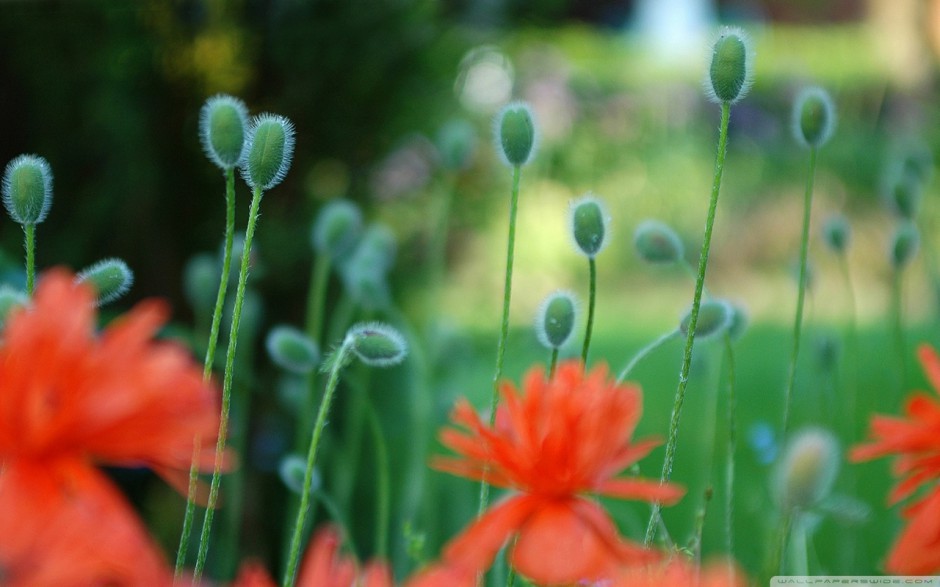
<point x="673" y="436"/>
<point x="798" y="320"/>
<point x="592" y="294"/>
<point x="504" y="327"/>
<point x="294" y="553"/>
<point x="553" y="364"/>
<point x="207" y="366"/>
<point x="29" y="238"/>
<point x="643" y="352"/>
<point x="227" y="386"/>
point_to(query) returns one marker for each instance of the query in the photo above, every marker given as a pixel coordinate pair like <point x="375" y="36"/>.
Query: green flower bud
<point x="904" y="245"/>
<point x="456" y="143"/>
<point x="27" y="189"/>
<point x="806" y="472"/>
<point x="337" y="228"/>
<point x="110" y="278"/>
<point x="223" y="122"/>
<point x="269" y="151"/>
<point x="555" y="319"/>
<point x="589" y="224"/>
<point x="730" y="71"/>
<point x="905" y="194"/>
<point x="516" y="134"/>
<point x="656" y="242"/>
<point x="377" y="344"/>
<point x="837" y="233"/>
<point x="11" y="299"/>
<point x="814" y="117"/>
<point x="293" y="469"/>
<point x="714" y="319"/>
<point x="292" y="350"/>
<point x="201" y="282"/>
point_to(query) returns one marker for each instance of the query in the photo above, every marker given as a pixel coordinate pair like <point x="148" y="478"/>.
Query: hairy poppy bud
<point x="27" y="189"/>
<point x="337" y="228"/>
<point x="377" y="344"/>
<point x="714" y="319"/>
<point x="270" y="148"/>
<point x="293" y="350"/>
<point x="589" y="225"/>
<point x="730" y="71"/>
<point x="814" y="117"/>
<point x="110" y="278"/>
<point x="656" y="242"/>
<point x="555" y="319"/>
<point x="516" y="134"/>
<point x="223" y="122"/>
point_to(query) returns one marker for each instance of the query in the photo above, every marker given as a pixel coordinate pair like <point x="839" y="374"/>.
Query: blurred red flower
<point x="680" y="572"/>
<point x="70" y="399"/>
<point x="562" y="439"/>
<point x="914" y="441"/>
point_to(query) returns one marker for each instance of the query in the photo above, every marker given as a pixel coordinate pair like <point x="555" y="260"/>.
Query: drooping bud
<point x="837" y="233"/>
<point x="223" y="123"/>
<point x="814" y="117"/>
<point x="337" y="228"/>
<point x="516" y="134"/>
<point x="292" y="350"/>
<point x="807" y="470"/>
<point x="656" y="242"/>
<point x="589" y="223"/>
<point x="714" y="319"/>
<point x="904" y="245"/>
<point x="109" y="278"/>
<point x="730" y="71"/>
<point x="27" y="189"/>
<point x="555" y="319"/>
<point x="377" y="344"/>
<point x="269" y="151"/>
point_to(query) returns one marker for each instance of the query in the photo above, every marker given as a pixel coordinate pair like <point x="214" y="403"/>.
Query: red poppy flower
<point x="120" y="398"/>
<point x="64" y="523"/>
<point x="680" y="572"/>
<point x="914" y="441"/>
<point x="561" y="440"/>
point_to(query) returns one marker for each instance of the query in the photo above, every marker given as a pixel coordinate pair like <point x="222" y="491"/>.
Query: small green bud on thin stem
<point x="337" y="228"/>
<point x="269" y="151"/>
<point x="292" y="350"/>
<point x="814" y="117"/>
<point x="730" y="71"/>
<point x="223" y="124"/>
<point x="110" y="278"/>
<point x="714" y="319"/>
<point x="658" y="243"/>
<point x="516" y="134"/>
<point x="377" y="344"/>
<point x="27" y="189"/>
<point x="589" y="224"/>
<point x="904" y="195"/>
<point x="555" y="319"/>
<point x="904" y="245"/>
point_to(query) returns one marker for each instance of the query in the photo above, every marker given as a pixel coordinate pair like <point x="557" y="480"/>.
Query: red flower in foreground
<point x="70" y="399"/>
<point x="563" y="438"/>
<point x="914" y="440"/>
<point x="679" y="572"/>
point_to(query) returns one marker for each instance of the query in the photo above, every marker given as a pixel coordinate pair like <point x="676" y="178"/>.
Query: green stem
<point x="643" y="352"/>
<point x="338" y="362"/>
<point x="227" y="386"/>
<point x="732" y="447"/>
<point x="898" y="324"/>
<point x="554" y="363"/>
<point x="29" y="231"/>
<point x="504" y="328"/>
<point x="693" y="318"/>
<point x="799" y="555"/>
<point x="776" y="561"/>
<point x="207" y="366"/>
<point x="852" y="347"/>
<point x="383" y="485"/>
<point x="798" y="320"/>
<point x="590" y="320"/>
<point x="316" y="300"/>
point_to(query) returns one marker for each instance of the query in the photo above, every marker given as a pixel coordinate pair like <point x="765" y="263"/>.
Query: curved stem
<point x="29" y="238"/>
<point x="798" y="320"/>
<point x="227" y="387"/>
<point x="207" y="365"/>
<point x="590" y="319"/>
<point x="338" y="363"/>
<point x="504" y="328"/>
<point x="693" y="318"/>
<point x="643" y="352"/>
